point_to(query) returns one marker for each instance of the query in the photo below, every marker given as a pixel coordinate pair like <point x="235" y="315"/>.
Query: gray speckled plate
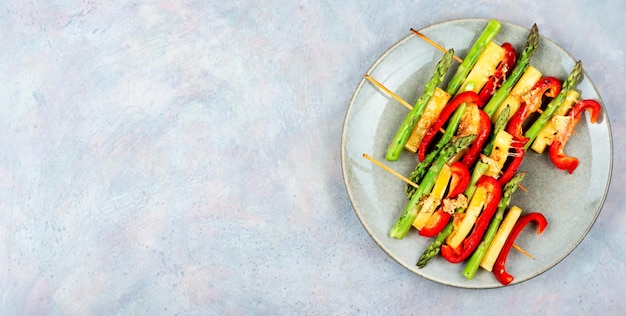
<point x="571" y="203"/>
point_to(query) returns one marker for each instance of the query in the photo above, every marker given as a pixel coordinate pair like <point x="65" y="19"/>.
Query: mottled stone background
<point x="182" y="157"/>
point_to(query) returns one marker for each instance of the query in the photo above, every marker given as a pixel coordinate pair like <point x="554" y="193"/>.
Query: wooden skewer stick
<point x="431" y="42"/>
<point x="380" y="164"/>
<point x="393" y="95"/>
<point x="389" y="92"/>
<point x="524" y="252"/>
<point x="522" y="188"/>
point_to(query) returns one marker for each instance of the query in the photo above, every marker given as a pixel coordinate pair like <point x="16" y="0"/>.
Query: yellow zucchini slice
<point x="546" y="135"/>
<point x="501" y="146"/>
<point x="484" y="68"/>
<point x="525" y="84"/>
<point x="434" y="199"/>
<point x="463" y="228"/>
<point x="433" y="108"/>
<point x="502" y="234"/>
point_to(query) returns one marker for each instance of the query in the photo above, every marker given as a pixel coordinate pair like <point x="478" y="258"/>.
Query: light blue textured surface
<point x="182" y="157"/>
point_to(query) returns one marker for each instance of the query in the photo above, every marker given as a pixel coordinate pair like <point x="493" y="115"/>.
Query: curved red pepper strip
<point x="469" y="244"/>
<point x="504" y="69"/>
<point x="549" y="86"/>
<point x="499" y="269"/>
<point x="439" y="219"/>
<point x="464" y="97"/>
<point x="557" y="156"/>
<point x="514" y="127"/>
<point x="518" y="157"/>
<point x="476" y="147"/>
<point x="460" y="179"/>
<point x="436" y="223"/>
<point x="560" y="159"/>
<point x="591" y="106"/>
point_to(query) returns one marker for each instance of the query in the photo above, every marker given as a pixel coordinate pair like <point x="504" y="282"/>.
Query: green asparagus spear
<point x="405" y="221"/>
<point x="435" y="246"/>
<point x="568" y="85"/>
<point x="402" y="136"/>
<point x="479" y="171"/>
<point x="488" y="34"/>
<point x="530" y="47"/>
<point x="423" y="165"/>
<point x="477" y="257"/>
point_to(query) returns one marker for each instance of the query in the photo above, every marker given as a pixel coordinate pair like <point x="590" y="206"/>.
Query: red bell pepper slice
<point x="464" y="97"/>
<point x="518" y="157"/>
<point x="504" y="69"/>
<point x="439" y="219"/>
<point x="592" y="106"/>
<point x="499" y="268"/>
<point x="549" y="86"/>
<point x="557" y="156"/>
<point x="469" y="244"/>
<point x="514" y="127"/>
<point x="560" y="159"/>
<point x="476" y="147"/>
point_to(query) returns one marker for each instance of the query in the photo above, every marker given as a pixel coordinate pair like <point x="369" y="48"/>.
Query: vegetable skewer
<point x="529" y="50"/>
<point x="417" y="194"/>
<point x="472" y="265"/>
<point x="405" y="221"/>
<point x="398" y="142"/>
<point x="568" y="84"/>
<point x="457" y="80"/>
<point x="471" y="228"/>
<point x="452" y="108"/>
<point x="435" y="246"/>
<point x="433" y="249"/>
<point x="530" y="47"/>
<point x="488" y="34"/>
<point x="413" y="184"/>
